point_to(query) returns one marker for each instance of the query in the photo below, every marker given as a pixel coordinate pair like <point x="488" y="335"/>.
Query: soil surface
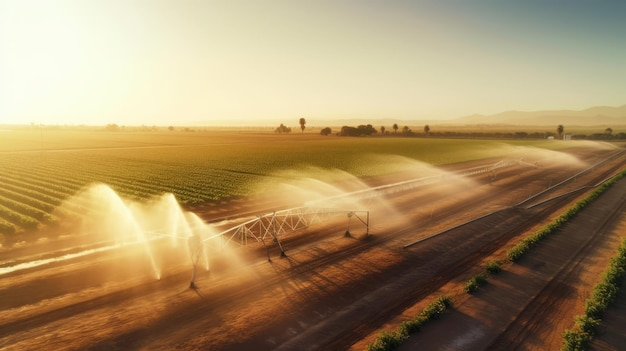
<point x="333" y="291"/>
<point x="529" y="304"/>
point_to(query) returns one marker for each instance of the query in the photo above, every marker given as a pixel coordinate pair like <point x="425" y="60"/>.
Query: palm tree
<point x="302" y="123"/>
<point x="395" y="127"/>
<point x="426" y="129"/>
<point x="559" y="130"/>
<point x="382" y="130"/>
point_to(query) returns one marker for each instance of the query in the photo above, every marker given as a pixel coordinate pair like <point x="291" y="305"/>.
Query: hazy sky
<point x="162" y="61"/>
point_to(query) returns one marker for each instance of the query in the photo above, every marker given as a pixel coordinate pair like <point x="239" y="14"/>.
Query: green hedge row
<point x="520" y="249"/>
<point x="391" y="340"/>
<point x="601" y="297"/>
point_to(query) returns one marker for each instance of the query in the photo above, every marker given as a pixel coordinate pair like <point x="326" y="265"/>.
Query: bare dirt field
<point x="336" y="292"/>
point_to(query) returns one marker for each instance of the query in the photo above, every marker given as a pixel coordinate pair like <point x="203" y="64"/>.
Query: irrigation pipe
<point x="452" y="228"/>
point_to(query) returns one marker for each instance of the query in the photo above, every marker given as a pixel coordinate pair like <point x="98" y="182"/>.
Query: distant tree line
<point x="113" y="127"/>
<point x="358" y="131"/>
<point x="601" y="136"/>
<point x="405" y="131"/>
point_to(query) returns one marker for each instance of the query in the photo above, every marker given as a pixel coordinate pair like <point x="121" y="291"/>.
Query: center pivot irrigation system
<point x="269" y="227"/>
<point x="273" y="225"/>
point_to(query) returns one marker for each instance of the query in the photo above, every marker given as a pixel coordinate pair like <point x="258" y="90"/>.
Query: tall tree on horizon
<point x="560" y="130"/>
<point x="302" y="123"/>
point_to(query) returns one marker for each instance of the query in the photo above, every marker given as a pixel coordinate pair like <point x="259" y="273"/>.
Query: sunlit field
<point x="42" y="168"/>
<point x="142" y="235"/>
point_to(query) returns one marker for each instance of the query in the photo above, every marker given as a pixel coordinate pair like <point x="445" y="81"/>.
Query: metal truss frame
<point x="272" y="225"/>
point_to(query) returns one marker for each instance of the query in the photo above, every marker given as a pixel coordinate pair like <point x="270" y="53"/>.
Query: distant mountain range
<point x="593" y="116"/>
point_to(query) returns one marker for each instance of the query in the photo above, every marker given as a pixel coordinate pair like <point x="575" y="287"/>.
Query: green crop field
<point x="39" y="169"/>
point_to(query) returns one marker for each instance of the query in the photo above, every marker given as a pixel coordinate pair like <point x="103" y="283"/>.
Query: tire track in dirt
<point x="551" y="301"/>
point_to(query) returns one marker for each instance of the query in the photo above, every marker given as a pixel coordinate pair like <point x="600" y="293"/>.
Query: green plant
<point x="601" y="297"/>
<point x="390" y="340"/>
<point x="575" y="340"/>
<point x="494" y="267"/>
<point x="475" y="282"/>
<point x="516" y="252"/>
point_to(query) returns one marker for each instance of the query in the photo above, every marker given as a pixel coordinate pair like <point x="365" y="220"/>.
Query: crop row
<point x="603" y="294"/>
<point x="518" y="250"/>
<point x="390" y="340"/>
<point x="26" y="199"/>
<point x="26" y="209"/>
<point x="189" y="184"/>
<point x="191" y="187"/>
<point x="47" y="171"/>
<point x="37" y="195"/>
<point x="39" y="185"/>
<point x="17" y="219"/>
